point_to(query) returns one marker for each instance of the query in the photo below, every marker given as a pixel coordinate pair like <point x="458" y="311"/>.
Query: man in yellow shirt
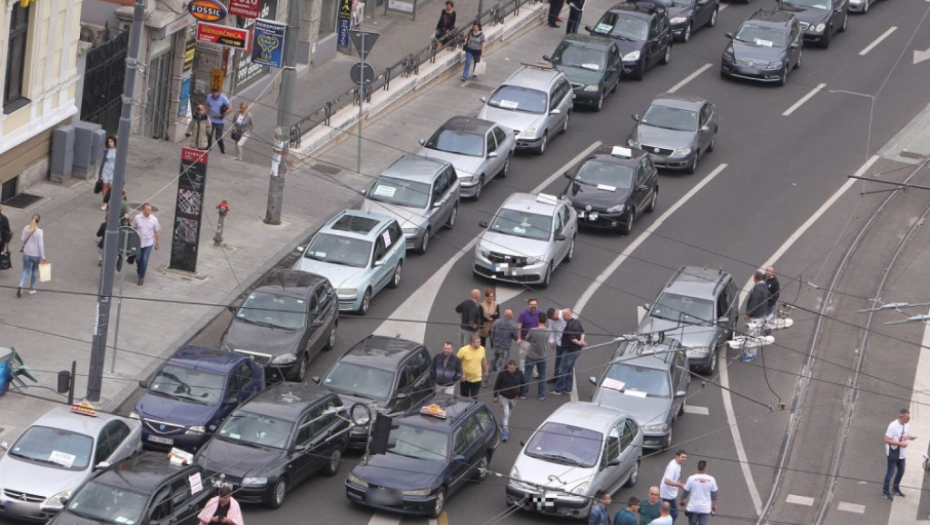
<point x="474" y="365"/>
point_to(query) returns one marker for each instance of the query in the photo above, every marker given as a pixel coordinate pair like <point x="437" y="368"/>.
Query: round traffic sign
<point x="129" y="241"/>
<point x="357" y="76"/>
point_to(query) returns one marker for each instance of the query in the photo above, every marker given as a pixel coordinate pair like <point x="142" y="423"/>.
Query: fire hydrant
<point x="223" y="207"/>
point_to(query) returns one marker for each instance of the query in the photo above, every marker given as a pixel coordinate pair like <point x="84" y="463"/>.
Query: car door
<point x="398" y="246"/>
<point x="705" y="130"/>
<point x="183" y="502"/>
<point x="653" y="47"/>
<point x="468" y="450"/>
<point x="424" y="384"/>
<point x="249" y="383"/>
<point x="504" y="144"/>
<point x="629" y="454"/>
<point x="317" y="322"/>
<point x="567" y="97"/>
<point x="308" y="452"/>
<point x="436" y="209"/>
<point x="795" y="43"/>
<point x="614" y="67"/>
<point x="641" y="190"/>
<point x="380" y="264"/>
<point x="450" y="182"/>
<point x="103" y="448"/>
<point x="119" y="433"/>
<point x="406" y="395"/>
<point x="676" y="373"/>
<point x="836" y="17"/>
<point x="490" y="165"/>
<point x="558" y="247"/>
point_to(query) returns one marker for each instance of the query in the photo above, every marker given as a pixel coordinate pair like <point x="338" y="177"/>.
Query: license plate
<point x="500" y="268"/>
<point x="162" y="440"/>
<point x="384" y="497"/>
<point x="21" y="508"/>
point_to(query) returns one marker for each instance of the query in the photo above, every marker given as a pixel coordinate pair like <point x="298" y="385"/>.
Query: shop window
<point x="13" y="98"/>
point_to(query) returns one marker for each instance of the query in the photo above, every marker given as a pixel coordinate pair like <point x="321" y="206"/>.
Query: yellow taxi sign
<point x="433" y="410"/>
<point x="84" y="408"/>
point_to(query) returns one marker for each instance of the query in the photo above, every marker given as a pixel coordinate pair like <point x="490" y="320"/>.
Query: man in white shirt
<point x="701" y="492"/>
<point x="671" y="482"/>
<point x="665" y="517"/>
<point x="146" y="225"/>
<point x="896" y="438"/>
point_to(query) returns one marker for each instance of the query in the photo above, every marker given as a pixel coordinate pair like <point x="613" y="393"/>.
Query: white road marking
<point x="724" y="6"/>
<point x="505" y="292"/>
<point x="799" y="500"/>
<point x="804" y="99"/>
<point x="851" y="507"/>
<point x="877" y="41"/>
<point x="724" y="373"/>
<point x="380" y="518"/>
<point x="689" y="78"/>
<point x="701" y="411"/>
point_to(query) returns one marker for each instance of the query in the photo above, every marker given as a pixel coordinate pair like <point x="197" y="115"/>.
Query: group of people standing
<point x="761" y="303"/>
<point x="209" y="122"/>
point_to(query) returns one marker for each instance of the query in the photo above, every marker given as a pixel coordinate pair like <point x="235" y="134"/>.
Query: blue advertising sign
<point x="185" y="99"/>
<point x="343" y="27"/>
<point x="268" y="43"/>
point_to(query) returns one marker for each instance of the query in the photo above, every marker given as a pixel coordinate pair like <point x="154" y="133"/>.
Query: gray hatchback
<point x="676" y="131"/>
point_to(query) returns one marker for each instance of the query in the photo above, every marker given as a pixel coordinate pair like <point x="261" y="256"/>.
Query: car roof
<point x="142" y="473"/>
<point x="772" y="17"/>
<point x="542" y="204"/>
<point x="674" y="100"/>
<point x="532" y="76"/>
<point x="605" y="153"/>
<point x="585" y="415"/>
<point x="468" y="124"/>
<point x="286" y="400"/>
<point x="62" y="417"/>
<point x="289" y="282"/>
<point x="377" y="351"/>
<point x="415" y="168"/>
<point x="696" y="281"/>
<point x="356" y="223"/>
<point x="589" y="41"/>
<point x="646" y="354"/>
<point x="638" y="9"/>
<point x="204" y="358"/>
<point x="454" y="407"/>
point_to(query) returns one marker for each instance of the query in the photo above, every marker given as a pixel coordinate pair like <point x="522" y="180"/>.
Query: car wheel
<point x="827" y="36"/>
<point x="634" y="475"/>
<point x="332" y="466"/>
<point x="331" y="343"/>
<point x="640" y="71"/>
<point x="668" y="439"/>
<point x="302" y="369"/>
<point x="600" y="103"/>
<point x="481" y="472"/>
<point x="568" y="116"/>
<point x="452" y="217"/>
<point x="479" y="187"/>
<point x="652" y="202"/>
<point x="845" y="21"/>
<point x="713" y="142"/>
<point x="687" y="36"/>
<point x="668" y="53"/>
<point x="506" y="169"/>
<point x="627" y="226"/>
<point x="366" y="302"/>
<point x="694" y="162"/>
<point x="278" y="492"/>
<point x="797" y="65"/>
<point x="571" y="251"/>
<point x="398" y="271"/>
<point x="547" y="278"/>
<point x="865" y="7"/>
<point x="712" y="366"/>
<point x="424" y="243"/>
<point x="681" y="409"/>
<point x="439" y="503"/>
<point x="783" y="78"/>
<point x="713" y="18"/>
<point x="542" y="144"/>
<point x="617" y="83"/>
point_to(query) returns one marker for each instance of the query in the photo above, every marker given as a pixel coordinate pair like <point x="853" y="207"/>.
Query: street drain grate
<point x="911" y="154"/>
<point x="323" y="168"/>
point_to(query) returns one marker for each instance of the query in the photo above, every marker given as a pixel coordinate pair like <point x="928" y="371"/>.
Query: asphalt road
<point x="769" y="173"/>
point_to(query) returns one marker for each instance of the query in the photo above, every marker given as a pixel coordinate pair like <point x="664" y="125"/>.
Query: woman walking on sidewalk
<point x="106" y="167"/>
<point x="33" y="254"/>
<point x="474" y="48"/>
<point x="242" y="127"/>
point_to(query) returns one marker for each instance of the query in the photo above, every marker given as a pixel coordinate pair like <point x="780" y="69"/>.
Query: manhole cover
<point x="324" y="168"/>
<point x="22" y="200"/>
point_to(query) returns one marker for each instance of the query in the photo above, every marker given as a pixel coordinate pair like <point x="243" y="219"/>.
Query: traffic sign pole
<point x="363" y="42"/>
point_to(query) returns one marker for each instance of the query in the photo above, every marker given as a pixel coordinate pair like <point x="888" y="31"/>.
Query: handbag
<point x="235" y="134"/>
<point x="5" y="262"/>
<point x="894" y="453"/>
<point x="480" y="68"/>
<point x="45" y="272"/>
<point x="23" y="247"/>
<point x="98" y="186"/>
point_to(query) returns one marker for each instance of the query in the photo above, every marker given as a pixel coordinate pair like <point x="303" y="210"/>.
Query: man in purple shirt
<point x="528" y="319"/>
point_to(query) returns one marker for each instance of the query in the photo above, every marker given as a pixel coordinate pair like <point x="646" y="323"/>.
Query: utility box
<point x="62" y="159"/>
<point x="85" y="160"/>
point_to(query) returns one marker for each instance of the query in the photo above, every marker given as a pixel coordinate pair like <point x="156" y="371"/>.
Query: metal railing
<point x="405" y="67"/>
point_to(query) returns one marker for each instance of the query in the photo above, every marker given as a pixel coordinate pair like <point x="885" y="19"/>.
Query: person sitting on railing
<point x="445" y="28"/>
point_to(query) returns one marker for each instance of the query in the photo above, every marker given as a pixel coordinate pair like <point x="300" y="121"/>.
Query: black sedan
<point x="433" y="450"/>
<point x="277" y="440"/>
<point x="284" y="323"/>
<point x="643" y="33"/>
<point x="690" y="15"/>
<point x="767" y="46"/>
<point x="592" y="64"/>
<point x="676" y="131"/>
<point x="612" y="187"/>
<point x="820" y="19"/>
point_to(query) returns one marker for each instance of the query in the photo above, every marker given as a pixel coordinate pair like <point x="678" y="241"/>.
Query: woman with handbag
<point x="474" y="48"/>
<point x="106" y="167"/>
<point x="242" y="127"/>
<point x="33" y="251"/>
<point x="199" y="128"/>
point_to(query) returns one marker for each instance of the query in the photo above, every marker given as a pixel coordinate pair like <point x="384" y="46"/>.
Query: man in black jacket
<point x="6" y="234"/>
<point x="756" y="305"/>
<point x="509" y="384"/>
<point x="575" y="7"/>
<point x="446" y="370"/>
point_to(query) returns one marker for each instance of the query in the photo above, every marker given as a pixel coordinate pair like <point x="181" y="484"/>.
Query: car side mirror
<point x="315" y="379"/>
<point x="483" y="99"/>
<point x="795" y="45"/>
<point x="567" y="175"/>
<point x="560" y="237"/>
<point x="300" y="249"/>
<point x="63" y="500"/>
<point x="681" y="393"/>
<point x="363" y="191"/>
<point x="144" y="384"/>
<point x="555" y="112"/>
<point x="729" y="34"/>
<point x="402" y="395"/>
<point x="723" y="320"/>
<point x="483" y="224"/>
<point x="422" y="142"/>
<point x="642" y="187"/>
<point x="589" y="29"/>
<point x="647" y="306"/>
<point x="300" y="448"/>
<point x="232" y="309"/>
<point x="614" y="462"/>
<point x="378" y="263"/>
<point x="460" y="458"/>
<point x="593" y="380"/>
<point x="636" y="117"/>
<point x="522" y="443"/>
<point x="492" y="155"/>
<point x="102" y="465"/>
<point x="547" y="58"/>
<point x="5" y="445"/>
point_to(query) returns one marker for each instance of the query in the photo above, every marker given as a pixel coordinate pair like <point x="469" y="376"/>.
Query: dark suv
<point x="388" y="374"/>
<point x="277" y="440"/>
<point x="284" y="323"/>
<point x="698" y="307"/>
<point x="643" y="33"/>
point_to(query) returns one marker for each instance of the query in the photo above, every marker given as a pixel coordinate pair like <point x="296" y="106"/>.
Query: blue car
<point x="192" y="393"/>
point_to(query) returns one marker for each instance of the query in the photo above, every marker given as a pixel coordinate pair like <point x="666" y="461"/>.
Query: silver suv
<point x="535" y="102"/>
<point x="698" y="307"/>
<point x="527" y="239"/>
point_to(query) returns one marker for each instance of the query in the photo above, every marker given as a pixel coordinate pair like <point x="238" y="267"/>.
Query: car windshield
<point x="762" y="35"/>
<point x="568" y="54"/>
<point x="519" y="99"/>
<point x="458" y="142"/>
<point x="275" y="311"/>
<point x="522" y="224"/>
<point x="677" y="119"/>
<point x="620" y="25"/>
<point x="675" y="307"/>
<point x="683" y="3"/>
<point x="205" y="388"/>
<point x="100" y="502"/>
<point x="606" y="175"/>
<point x="565" y="445"/>
<point x="337" y="249"/>
<point x="816" y="4"/>
<point x="55" y="447"/>
<point x="637" y="380"/>
<point x="421" y="443"/>
<point x="256" y="429"/>
<point x="365" y="381"/>
<point x="400" y="192"/>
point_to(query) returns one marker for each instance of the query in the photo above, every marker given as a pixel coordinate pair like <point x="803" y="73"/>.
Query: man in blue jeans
<point x="218" y="106"/>
<point x="146" y="225"/>
<point x="572" y="343"/>
<point x="538" y="339"/>
<point x="896" y="438"/>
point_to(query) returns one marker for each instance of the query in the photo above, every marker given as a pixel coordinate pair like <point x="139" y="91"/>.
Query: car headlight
<point x="254" y="481"/>
<point x="728" y="55"/>
<point x="820" y="27"/>
<point x="197" y="429"/>
<point x="284" y="359"/>
<point x="774" y="65"/>
<point x="681" y="152"/>
<point x="514" y="473"/>
<point x="418" y="492"/>
<point x="661" y="427"/>
<point x="347" y="291"/>
<point x="484" y="252"/>
<point x="410" y="230"/>
<point x="679" y="20"/>
<point x="54" y="502"/>
<point x="617" y="208"/>
<point x="534" y="260"/>
<point x="633" y="144"/>
<point x="133" y="415"/>
<point x="592" y="87"/>
<point x="700" y="350"/>
<point x="529" y="132"/>
<point x="465" y="176"/>
<point x="354" y="479"/>
<point x="581" y="489"/>
<point x="633" y="56"/>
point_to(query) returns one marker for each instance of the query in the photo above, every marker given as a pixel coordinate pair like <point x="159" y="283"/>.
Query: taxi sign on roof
<point x="433" y="410"/>
<point x="84" y="409"/>
<point x="547" y="198"/>
<point x="622" y="152"/>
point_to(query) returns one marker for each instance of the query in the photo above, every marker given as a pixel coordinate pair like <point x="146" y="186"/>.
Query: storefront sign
<point x="344" y="23"/>
<point x="396" y="5"/>
<point x="188" y="211"/>
<point x="222" y="35"/>
<point x="246" y="71"/>
<point x="185" y="98"/>
<point x="207" y="10"/>
<point x="268" y="43"/>
<point x="189" y="53"/>
<point x="217" y="76"/>
<point x="245" y="8"/>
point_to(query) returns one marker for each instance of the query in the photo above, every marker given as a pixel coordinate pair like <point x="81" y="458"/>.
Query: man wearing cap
<point x="627" y="516"/>
<point x="218" y="106"/>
